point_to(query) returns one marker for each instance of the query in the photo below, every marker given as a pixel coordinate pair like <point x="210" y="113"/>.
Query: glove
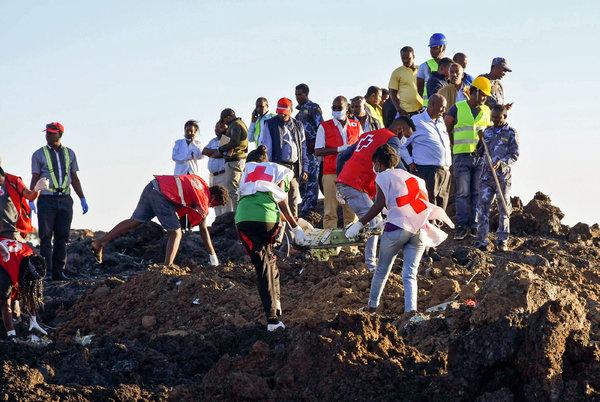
<point x="42" y="184"/>
<point x="32" y="207"/>
<point x="35" y="328"/>
<point x="84" y="205"/>
<point x="342" y="148"/>
<point x="4" y="253"/>
<point x="339" y="198"/>
<point x="304" y="224"/>
<point x="354" y="229"/>
<point x="298" y="235"/>
<point x="213" y="260"/>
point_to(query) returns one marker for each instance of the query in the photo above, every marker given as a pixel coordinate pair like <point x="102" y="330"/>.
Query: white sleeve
<point x="320" y="138"/>
<point x="423" y="71"/>
<point x="265" y="138"/>
<point x="180" y="154"/>
<point x="197" y="147"/>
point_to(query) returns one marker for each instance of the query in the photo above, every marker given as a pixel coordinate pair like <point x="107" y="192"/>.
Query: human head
<point x="262" y="106"/>
<point x="302" y="93"/>
<point x="480" y="89"/>
<point x="436" y="106"/>
<point x="499" y="68"/>
<point x="499" y="114"/>
<point x="461" y="59"/>
<point x="220" y="128"/>
<point x="31" y="285"/>
<point x="373" y="96"/>
<point x="339" y="108"/>
<point x="384" y="157"/>
<point x="258" y="155"/>
<point x="284" y="108"/>
<point x="227" y="116"/>
<point x="437" y="45"/>
<point x="402" y="126"/>
<point x="385" y="94"/>
<point x="407" y="54"/>
<point x="218" y="196"/>
<point x="54" y="132"/>
<point x="357" y="106"/>
<point x="444" y="66"/>
<point x="190" y="128"/>
<point x="455" y="74"/>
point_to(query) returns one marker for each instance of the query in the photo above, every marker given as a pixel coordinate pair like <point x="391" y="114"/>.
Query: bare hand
<point x="304" y="177"/>
<point x="254" y="116"/>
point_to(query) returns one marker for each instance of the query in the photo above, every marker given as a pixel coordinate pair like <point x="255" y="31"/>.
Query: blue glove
<point x="33" y="207"/>
<point x="84" y="206"/>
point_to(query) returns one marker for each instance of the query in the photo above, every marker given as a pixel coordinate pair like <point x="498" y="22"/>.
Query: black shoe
<point x="60" y="276"/>
<point x="435" y="256"/>
<point x="460" y="233"/>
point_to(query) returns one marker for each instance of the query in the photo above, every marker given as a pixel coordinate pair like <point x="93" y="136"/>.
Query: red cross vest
<point x="189" y="192"/>
<point x="333" y="139"/>
<point x="15" y="186"/>
<point x="17" y="251"/>
<point x="358" y="170"/>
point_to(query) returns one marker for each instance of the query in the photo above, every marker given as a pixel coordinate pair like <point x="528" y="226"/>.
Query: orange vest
<point x="189" y="192"/>
<point x="18" y="251"/>
<point x="358" y="170"/>
<point x="23" y="223"/>
<point x="333" y="139"/>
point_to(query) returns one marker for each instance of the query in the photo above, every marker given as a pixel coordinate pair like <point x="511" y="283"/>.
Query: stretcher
<point x="322" y="244"/>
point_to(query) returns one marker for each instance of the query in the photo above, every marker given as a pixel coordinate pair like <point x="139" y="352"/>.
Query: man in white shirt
<point x="187" y="151"/>
<point x="334" y="136"/>
<point x="216" y="166"/>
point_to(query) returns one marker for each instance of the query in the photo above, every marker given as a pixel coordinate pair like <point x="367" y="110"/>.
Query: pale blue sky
<point x="123" y="77"/>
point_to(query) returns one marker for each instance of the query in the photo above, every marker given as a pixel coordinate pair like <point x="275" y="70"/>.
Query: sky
<point x="124" y="76"/>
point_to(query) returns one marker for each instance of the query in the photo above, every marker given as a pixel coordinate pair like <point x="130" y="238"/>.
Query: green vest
<point x="433" y="67"/>
<point x="54" y="187"/>
<point x="467" y="126"/>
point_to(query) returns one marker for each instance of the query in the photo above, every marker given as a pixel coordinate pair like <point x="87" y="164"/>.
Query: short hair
<point x="406" y="120"/>
<point x="446" y="61"/>
<point x="303" y="88"/>
<point x="385" y="91"/>
<point x="500" y="108"/>
<point x="262" y="99"/>
<point x="436" y="96"/>
<point x="342" y="99"/>
<point x="386" y="155"/>
<point x="219" y="195"/>
<point x="258" y="155"/>
<point x="458" y="55"/>
<point x="227" y="113"/>
<point x="372" y="90"/>
<point x="407" y="49"/>
<point x="358" y="99"/>
<point x="192" y="123"/>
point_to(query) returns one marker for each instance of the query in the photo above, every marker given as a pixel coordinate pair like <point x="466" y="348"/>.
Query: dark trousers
<point x="55" y="213"/>
<point x="437" y="181"/>
<point x="258" y="238"/>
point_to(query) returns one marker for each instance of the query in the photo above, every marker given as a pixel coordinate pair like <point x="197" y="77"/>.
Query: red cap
<point x="284" y="106"/>
<point x="55" y="127"/>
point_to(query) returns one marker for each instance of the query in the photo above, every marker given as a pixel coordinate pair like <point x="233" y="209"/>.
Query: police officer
<point x="503" y="144"/>
<point x="311" y="116"/>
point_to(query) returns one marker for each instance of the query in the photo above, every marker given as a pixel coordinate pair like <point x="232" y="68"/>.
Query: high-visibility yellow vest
<point x="433" y="67"/>
<point x="54" y="187"/>
<point x="467" y="126"/>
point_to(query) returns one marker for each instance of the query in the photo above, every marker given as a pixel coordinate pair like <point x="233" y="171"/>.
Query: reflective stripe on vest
<point x="180" y="190"/>
<point x="466" y="127"/>
<point x="433" y="67"/>
<point x="65" y="183"/>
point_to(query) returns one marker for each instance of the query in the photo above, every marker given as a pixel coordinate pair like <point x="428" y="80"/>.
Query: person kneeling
<point x="169" y="198"/>
<point x="21" y="275"/>
<point x="406" y="229"/>
<point x="263" y="197"/>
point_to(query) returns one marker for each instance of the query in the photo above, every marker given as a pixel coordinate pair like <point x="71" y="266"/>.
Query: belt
<point x="218" y="173"/>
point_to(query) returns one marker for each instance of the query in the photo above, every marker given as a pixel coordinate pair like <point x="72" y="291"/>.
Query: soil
<point x="523" y="324"/>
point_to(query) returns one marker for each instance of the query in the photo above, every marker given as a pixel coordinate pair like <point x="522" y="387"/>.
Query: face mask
<point x="339" y="115"/>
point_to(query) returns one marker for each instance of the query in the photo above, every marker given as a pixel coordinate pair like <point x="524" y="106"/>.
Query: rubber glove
<point x="298" y="235"/>
<point x="35" y="327"/>
<point x="213" y="260"/>
<point x="42" y="184"/>
<point x="32" y="207"/>
<point x="339" y="198"/>
<point x="304" y="224"/>
<point x="342" y="148"/>
<point x="84" y="205"/>
<point x="354" y="229"/>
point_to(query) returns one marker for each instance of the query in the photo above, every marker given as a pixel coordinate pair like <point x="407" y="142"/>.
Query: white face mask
<point x="339" y="115"/>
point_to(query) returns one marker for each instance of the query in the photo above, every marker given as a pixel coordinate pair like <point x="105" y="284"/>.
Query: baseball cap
<point x="501" y="61"/>
<point x="54" y="127"/>
<point x="284" y="106"/>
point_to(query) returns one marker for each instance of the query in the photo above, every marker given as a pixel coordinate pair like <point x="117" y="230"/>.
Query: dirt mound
<point x="519" y="325"/>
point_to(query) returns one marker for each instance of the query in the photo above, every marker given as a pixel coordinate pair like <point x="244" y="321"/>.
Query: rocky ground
<point x="522" y="325"/>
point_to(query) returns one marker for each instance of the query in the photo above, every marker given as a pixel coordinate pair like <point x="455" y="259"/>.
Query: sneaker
<point x="273" y="327"/>
<point x="502" y="246"/>
<point x="460" y="233"/>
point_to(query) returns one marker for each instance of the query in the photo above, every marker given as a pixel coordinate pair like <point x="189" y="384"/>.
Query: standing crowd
<point x="392" y="159"/>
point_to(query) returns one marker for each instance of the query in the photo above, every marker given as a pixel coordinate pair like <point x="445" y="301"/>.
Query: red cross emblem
<point x="258" y="174"/>
<point x="415" y="197"/>
<point x="12" y="245"/>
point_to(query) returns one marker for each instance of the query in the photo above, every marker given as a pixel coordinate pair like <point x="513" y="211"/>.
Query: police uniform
<point x="503" y="145"/>
<point x="310" y="115"/>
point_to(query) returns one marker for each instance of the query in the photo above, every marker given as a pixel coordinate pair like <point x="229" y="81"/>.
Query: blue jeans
<point x="360" y="203"/>
<point x="467" y="176"/>
<point x="391" y="244"/>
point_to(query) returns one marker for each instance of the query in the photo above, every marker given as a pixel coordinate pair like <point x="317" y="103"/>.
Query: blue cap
<point x="437" y="39"/>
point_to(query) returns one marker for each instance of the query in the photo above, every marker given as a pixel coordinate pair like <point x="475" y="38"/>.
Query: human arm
<point x="450" y="121"/>
<point x="404" y="154"/>
<point x="421" y="78"/>
<point x="395" y="143"/>
<point x="252" y="128"/>
<point x="211" y="152"/>
<point x="196" y="150"/>
<point x="375" y="210"/>
<point x="265" y="138"/>
<point x="320" y="148"/>
<point x="180" y="152"/>
<point x="513" y="149"/>
<point x="343" y="157"/>
<point x="76" y="183"/>
<point x="285" y="209"/>
<point x="396" y="101"/>
<point x="234" y="132"/>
